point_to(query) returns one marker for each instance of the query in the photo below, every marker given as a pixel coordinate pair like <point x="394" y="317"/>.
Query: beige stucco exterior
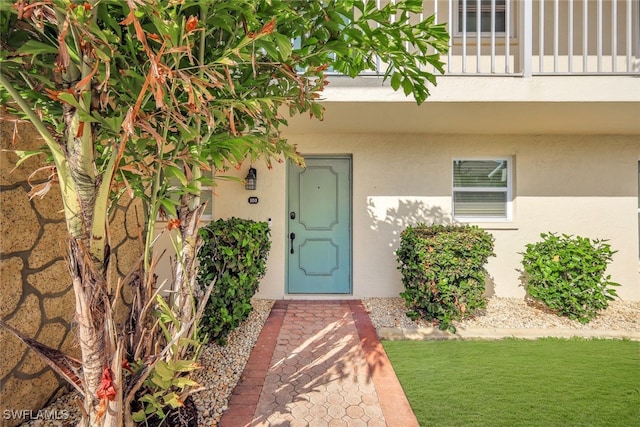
<point x="574" y="184"/>
<point x="574" y="142"/>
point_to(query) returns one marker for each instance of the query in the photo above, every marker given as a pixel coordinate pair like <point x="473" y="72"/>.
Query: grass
<point x="547" y="382"/>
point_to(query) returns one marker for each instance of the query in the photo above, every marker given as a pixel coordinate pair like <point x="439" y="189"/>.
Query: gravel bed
<point x="510" y="313"/>
<point x="223" y="365"/>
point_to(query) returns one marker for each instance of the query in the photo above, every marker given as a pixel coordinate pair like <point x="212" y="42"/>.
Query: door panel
<point x="320" y="226"/>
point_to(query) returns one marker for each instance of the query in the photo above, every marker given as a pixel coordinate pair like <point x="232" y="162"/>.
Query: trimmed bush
<point x="234" y="254"/>
<point x="443" y="271"/>
<point x="567" y="274"/>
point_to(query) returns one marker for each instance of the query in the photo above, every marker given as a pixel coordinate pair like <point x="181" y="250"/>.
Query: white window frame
<point x="207" y="215"/>
<point x="509" y="189"/>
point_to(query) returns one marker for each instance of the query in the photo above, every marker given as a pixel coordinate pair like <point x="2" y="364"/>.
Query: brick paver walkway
<point x="318" y="363"/>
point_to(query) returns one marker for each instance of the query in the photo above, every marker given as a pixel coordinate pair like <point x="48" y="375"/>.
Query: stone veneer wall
<point x="36" y="293"/>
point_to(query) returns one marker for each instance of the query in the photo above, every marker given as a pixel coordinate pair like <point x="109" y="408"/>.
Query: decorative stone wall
<point x="36" y="293"/>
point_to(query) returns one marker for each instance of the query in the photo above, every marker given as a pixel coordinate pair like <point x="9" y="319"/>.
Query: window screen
<point x="481" y="188"/>
<point x="471" y="8"/>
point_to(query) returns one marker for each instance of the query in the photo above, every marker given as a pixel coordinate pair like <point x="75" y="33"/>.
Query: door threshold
<point x="319" y="297"/>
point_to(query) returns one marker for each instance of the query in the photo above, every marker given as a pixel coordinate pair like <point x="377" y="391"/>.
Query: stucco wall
<point x="584" y="185"/>
<point x="37" y="296"/>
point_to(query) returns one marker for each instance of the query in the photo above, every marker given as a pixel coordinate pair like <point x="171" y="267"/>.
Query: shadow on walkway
<point x="318" y="363"/>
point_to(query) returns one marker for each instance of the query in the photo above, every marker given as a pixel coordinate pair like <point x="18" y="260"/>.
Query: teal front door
<point x="319" y="232"/>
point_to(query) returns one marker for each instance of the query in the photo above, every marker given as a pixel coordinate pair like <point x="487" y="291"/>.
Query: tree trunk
<point x="92" y="305"/>
<point x="186" y="285"/>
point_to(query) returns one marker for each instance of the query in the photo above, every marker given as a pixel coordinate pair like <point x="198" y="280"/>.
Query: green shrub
<point x="567" y="274"/>
<point x="443" y="271"/>
<point x="234" y="253"/>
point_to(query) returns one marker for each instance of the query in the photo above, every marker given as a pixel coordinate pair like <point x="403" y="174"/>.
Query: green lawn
<point x="548" y="382"/>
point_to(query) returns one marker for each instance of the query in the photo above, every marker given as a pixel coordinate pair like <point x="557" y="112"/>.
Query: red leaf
<point x="192" y="23"/>
<point x="53" y="94"/>
<point x="84" y="82"/>
<point x="63" y="59"/>
<point x="173" y="223"/>
<point x="268" y="27"/>
<point x="106" y="390"/>
<point x="80" y="130"/>
<point x="125" y="365"/>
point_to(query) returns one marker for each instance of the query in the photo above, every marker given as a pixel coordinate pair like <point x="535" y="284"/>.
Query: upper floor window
<point x="497" y="8"/>
<point x="482" y="189"/>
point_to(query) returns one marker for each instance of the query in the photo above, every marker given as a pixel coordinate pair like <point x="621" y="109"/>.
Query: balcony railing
<point x="539" y="37"/>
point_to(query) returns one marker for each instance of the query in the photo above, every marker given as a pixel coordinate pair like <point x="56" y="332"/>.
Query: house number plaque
<point x="253" y="200"/>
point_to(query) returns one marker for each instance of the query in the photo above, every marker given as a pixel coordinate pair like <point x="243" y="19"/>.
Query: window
<point x="206" y="195"/>
<point x="471" y="9"/>
<point x="482" y="189"/>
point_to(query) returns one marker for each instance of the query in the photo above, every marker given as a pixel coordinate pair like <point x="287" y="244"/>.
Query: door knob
<point x="292" y="236"/>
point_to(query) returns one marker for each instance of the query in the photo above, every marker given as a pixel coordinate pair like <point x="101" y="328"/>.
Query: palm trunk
<point x="186" y="286"/>
<point x="88" y="286"/>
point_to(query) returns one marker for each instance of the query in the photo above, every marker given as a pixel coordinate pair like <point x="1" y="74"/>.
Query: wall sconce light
<point x="251" y="179"/>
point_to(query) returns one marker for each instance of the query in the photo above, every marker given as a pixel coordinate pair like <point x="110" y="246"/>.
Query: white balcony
<point x="575" y="71"/>
<point x="538" y="37"/>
